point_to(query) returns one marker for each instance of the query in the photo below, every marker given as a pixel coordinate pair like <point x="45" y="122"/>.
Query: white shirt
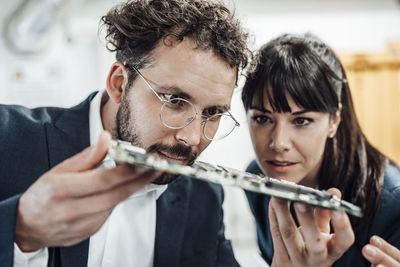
<point x="128" y="235"/>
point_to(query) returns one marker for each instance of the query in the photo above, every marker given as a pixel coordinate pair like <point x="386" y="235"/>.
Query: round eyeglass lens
<point x="177" y="113"/>
<point x="218" y="126"/>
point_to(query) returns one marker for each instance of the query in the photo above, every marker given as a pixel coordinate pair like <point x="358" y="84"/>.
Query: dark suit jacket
<point x="385" y="224"/>
<point x="189" y="227"/>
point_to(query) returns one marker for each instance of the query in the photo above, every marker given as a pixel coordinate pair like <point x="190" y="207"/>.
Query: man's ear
<point x="117" y="81"/>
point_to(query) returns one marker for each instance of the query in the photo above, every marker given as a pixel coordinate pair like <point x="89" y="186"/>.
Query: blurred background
<point x="51" y="53"/>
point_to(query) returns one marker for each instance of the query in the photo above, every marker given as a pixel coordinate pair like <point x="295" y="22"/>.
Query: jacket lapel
<point x="172" y="212"/>
<point x="66" y="137"/>
<point x="70" y="132"/>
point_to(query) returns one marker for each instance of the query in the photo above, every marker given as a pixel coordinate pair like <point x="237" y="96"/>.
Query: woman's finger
<point x="280" y="250"/>
<point x="343" y="236"/>
<point x="290" y="235"/>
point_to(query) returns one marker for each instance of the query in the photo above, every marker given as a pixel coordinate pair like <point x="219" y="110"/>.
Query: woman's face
<point x="290" y="145"/>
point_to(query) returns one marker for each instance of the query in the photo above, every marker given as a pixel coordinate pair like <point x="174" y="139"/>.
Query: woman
<point x="304" y="129"/>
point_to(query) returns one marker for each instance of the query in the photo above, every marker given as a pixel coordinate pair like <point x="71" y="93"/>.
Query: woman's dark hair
<point x="135" y="28"/>
<point x="307" y="70"/>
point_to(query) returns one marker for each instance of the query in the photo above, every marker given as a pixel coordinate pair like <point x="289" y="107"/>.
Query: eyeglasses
<point x="177" y="113"/>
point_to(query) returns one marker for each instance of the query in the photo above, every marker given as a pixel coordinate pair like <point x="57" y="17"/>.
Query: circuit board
<point x="124" y="152"/>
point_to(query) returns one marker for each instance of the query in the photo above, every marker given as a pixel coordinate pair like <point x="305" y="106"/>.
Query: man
<point x="177" y="65"/>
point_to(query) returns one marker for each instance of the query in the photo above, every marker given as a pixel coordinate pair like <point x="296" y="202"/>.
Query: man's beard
<point x="125" y="130"/>
<point x="175" y="150"/>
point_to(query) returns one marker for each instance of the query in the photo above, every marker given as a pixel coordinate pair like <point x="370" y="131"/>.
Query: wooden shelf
<point x="374" y="81"/>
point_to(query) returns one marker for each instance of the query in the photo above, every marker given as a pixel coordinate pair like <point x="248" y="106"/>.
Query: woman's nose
<point x="280" y="139"/>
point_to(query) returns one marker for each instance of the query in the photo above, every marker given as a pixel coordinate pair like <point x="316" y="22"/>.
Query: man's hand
<point x="71" y="201"/>
<point x="310" y="244"/>
<point x="380" y="253"/>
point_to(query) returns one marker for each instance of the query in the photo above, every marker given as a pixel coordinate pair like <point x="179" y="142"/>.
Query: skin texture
<point x="380" y="253"/>
<point x="71" y="202"/>
<point x="290" y="146"/>
<point x="299" y="138"/>
<point x="204" y="78"/>
<point x="295" y="139"/>
<point x="309" y="243"/>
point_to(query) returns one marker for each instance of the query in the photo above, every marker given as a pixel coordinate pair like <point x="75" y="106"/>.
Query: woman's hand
<point x="381" y="253"/>
<point x="310" y="244"/>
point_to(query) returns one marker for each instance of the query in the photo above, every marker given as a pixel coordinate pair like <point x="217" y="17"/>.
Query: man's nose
<point x="280" y="139"/>
<point x="191" y="134"/>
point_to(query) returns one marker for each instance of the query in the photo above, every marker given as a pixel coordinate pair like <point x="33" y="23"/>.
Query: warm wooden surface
<point x="375" y="85"/>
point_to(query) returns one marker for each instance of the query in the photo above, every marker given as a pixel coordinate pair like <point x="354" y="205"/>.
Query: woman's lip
<point x="281" y="162"/>
<point x="289" y="165"/>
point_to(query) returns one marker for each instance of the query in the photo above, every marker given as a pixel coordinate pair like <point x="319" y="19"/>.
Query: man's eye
<point x="169" y="97"/>
<point x="174" y="102"/>
<point x="301" y="121"/>
<point x="212" y="112"/>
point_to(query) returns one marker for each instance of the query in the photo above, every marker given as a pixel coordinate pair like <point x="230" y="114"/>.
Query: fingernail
<point x="301" y="207"/>
<point x="376" y="241"/>
<point x="370" y="251"/>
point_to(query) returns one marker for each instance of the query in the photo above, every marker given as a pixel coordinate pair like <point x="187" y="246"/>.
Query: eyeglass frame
<point x="163" y="101"/>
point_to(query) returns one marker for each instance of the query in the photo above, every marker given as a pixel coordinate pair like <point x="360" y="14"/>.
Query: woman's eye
<point x="261" y="119"/>
<point x="302" y="121"/>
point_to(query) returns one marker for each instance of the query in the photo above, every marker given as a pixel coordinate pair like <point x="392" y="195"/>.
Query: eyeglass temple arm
<point x="148" y="84"/>
<point x="236" y="122"/>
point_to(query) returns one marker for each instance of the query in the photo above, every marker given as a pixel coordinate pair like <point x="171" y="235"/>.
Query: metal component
<point x="123" y="152"/>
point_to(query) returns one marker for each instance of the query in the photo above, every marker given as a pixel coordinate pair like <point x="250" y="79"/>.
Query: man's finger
<point x="75" y="209"/>
<point x="89" y="158"/>
<point x="385" y="247"/>
<point x="377" y="257"/>
<point x="99" y="180"/>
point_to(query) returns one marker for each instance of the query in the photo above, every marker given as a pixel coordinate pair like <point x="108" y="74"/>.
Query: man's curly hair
<point x="136" y="27"/>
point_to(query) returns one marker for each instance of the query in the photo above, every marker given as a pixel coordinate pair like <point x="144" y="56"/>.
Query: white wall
<point x="75" y="63"/>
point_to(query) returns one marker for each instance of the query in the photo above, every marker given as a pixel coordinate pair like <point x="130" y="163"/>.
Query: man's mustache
<point x="180" y="151"/>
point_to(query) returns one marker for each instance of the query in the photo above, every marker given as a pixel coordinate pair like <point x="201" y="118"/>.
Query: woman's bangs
<point x="306" y="89"/>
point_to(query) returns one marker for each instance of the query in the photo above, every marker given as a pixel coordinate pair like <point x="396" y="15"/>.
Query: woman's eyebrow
<point x="301" y="112"/>
<point x="261" y="109"/>
<point x="264" y="110"/>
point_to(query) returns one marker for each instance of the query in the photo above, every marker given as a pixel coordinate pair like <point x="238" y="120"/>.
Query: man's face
<point x="180" y="70"/>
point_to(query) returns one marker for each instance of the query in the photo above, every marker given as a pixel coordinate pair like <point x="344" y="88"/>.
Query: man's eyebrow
<point x="179" y="92"/>
<point x="175" y="91"/>
<point x="224" y="108"/>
